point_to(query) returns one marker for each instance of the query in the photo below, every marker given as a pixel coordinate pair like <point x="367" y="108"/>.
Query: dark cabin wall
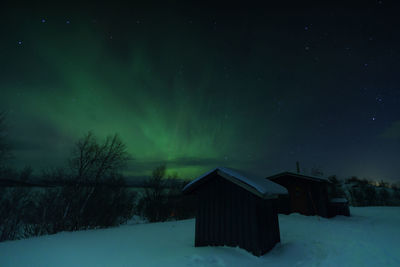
<point x="319" y="194"/>
<point x="282" y="204"/>
<point x="316" y="198"/>
<point x="230" y="215"/>
<point x="267" y="215"/>
<point x="302" y="204"/>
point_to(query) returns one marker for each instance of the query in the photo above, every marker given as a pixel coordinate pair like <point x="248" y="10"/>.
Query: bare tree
<point x="163" y="199"/>
<point x="152" y="204"/>
<point x="92" y="196"/>
<point x="92" y="160"/>
<point x="156" y="185"/>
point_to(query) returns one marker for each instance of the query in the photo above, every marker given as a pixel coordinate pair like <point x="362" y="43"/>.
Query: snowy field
<point x="371" y="237"/>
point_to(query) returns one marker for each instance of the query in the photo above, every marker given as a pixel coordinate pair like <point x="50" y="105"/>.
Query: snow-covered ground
<point x="371" y="237"/>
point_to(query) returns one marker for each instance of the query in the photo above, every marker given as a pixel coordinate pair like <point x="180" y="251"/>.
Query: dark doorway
<point x="299" y="200"/>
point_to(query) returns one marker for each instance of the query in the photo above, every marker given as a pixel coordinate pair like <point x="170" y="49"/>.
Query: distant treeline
<point x="364" y="192"/>
<point x="15" y="182"/>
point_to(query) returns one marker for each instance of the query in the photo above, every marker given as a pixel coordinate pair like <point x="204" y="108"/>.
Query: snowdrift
<point x="370" y="237"/>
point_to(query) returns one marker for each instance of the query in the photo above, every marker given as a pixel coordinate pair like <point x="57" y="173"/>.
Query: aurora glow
<point x="199" y="89"/>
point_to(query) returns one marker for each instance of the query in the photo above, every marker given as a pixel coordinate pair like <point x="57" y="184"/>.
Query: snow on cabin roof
<point x="259" y="186"/>
<point x="302" y="176"/>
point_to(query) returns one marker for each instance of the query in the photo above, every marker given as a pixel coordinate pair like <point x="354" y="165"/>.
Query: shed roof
<point x="256" y="185"/>
<point x="301" y="176"/>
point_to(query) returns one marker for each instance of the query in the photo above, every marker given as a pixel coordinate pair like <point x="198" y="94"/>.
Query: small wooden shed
<point x="308" y="195"/>
<point x="235" y="210"/>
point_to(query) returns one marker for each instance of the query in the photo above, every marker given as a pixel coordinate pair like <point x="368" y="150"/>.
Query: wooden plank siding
<point x="229" y="215"/>
<point x="315" y="196"/>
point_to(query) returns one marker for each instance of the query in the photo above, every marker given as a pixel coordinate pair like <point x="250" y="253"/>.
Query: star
<point x="68" y="22"/>
<point x="20" y="42"/>
<point x="43" y="20"/>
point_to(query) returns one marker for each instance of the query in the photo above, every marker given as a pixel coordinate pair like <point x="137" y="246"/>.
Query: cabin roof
<point x="256" y="185"/>
<point x="300" y="176"/>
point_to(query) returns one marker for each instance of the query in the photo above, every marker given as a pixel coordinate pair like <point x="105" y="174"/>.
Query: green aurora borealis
<point x="193" y="91"/>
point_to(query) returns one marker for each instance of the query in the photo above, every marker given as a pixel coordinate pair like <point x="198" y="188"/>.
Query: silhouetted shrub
<point x="356" y="196"/>
<point x="152" y="205"/>
<point x="335" y="189"/>
<point x="370" y="195"/>
<point x="16" y="209"/>
<point x="353" y="179"/>
<point x="384" y="196"/>
<point x="67" y="208"/>
<point x="91" y="195"/>
<point x="163" y="199"/>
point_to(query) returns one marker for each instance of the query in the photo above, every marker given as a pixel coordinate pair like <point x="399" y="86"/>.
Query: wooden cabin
<point x="235" y="210"/>
<point x="308" y="195"/>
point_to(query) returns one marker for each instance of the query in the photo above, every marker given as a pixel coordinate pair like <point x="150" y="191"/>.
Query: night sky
<point x="253" y="88"/>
